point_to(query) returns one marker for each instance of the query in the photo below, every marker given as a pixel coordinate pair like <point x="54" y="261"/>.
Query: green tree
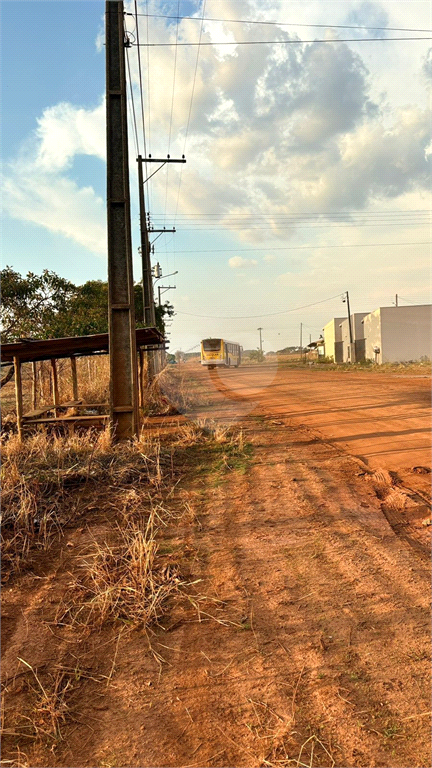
<point x="47" y="306"/>
<point x="32" y="306"/>
<point x="88" y="310"/>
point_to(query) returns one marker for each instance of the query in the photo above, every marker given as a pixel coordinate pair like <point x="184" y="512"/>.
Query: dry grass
<point x="49" y="480"/>
<point x="180" y="390"/>
<point x="123" y="580"/>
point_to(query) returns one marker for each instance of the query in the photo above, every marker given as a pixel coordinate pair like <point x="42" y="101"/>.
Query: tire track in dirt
<point x="318" y="648"/>
<point x="319" y="643"/>
<point x="377" y="595"/>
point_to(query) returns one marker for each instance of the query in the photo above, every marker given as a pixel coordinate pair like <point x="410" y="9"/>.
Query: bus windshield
<point x="211" y="345"/>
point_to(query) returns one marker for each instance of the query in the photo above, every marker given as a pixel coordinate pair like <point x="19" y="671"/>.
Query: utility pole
<point x="121" y="311"/>
<point x="261" y="349"/>
<point x="149" y="315"/>
<point x="301" y="342"/>
<point x="397" y="300"/>
<point x="166" y="288"/>
<point x="352" y="347"/>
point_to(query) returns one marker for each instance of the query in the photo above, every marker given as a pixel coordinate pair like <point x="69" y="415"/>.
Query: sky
<point x="307" y="165"/>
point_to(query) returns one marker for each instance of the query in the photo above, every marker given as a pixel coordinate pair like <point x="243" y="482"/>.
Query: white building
<point x="398" y="334"/>
<point x="333" y="340"/>
<point x="358" y="337"/>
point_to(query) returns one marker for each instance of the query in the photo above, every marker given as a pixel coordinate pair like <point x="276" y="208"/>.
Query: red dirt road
<point x="383" y="419"/>
<point x="310" y="646"/>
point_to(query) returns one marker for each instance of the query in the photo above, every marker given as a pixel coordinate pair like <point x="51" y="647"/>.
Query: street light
<point x="162" y="276"/>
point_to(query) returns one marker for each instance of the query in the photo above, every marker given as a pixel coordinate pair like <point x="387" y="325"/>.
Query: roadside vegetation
<point x="119" y="501"/>
<point x="409" y="368"/>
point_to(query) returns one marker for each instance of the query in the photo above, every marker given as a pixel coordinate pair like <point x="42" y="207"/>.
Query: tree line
<point x="48" y="306"/>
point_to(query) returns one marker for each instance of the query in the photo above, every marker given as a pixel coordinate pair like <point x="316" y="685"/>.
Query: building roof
<point x="31" y="350"/>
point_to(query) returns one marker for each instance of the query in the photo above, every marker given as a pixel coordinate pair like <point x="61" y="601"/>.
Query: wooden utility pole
<point x="301" y="342"/>
<point x="74" y="377"/>
<point x="121" y="310"/>
<point x="18" y="395"/>
<point x="55" y="389"/>
<point x="34" y="385"/>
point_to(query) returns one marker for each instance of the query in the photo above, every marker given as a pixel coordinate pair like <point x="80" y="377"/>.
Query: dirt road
<point x="307" y="642"/>
<point x="384" y="419"/>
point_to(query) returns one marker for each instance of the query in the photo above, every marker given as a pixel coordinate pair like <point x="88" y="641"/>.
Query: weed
<point x="392" y="730"/>
<point x="123" y="581"/>
<point x="49" y="480"/>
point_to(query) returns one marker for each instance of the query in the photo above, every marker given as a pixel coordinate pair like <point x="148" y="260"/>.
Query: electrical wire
<point x="309" y="226"/>
<point x="284" y="23"/>
<point x="133" y="104"/>
<point x="293" y="42"/>
<point x="363" y="212"/>
<point x="408" y="300"/>
<point x="171" y="116"/>
<point x="190" y="109"/>
<point x="141" y="95"/>
<point x="303" y="247"/>
<point x="267" y="314"/>
<point x="149" y="191"/>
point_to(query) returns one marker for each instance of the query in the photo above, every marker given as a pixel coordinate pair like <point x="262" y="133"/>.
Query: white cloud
<point x="59" y="205"/>
<point x="65" y="131"/>
<point x="274" y="129"/>
<point x="269" y="257"/>
<point x="237" y="262"/>
<point x="36" y="187"/>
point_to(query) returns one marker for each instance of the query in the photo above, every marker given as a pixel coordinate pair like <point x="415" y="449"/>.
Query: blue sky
<point x="301" y="160"/>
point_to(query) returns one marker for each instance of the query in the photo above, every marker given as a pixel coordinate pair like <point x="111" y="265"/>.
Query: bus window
<point x="211" y="345"/>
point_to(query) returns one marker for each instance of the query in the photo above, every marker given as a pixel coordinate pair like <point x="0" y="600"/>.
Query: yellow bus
<point x="216" y="352"/>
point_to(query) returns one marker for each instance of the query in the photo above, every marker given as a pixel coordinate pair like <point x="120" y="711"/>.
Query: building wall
<point x="405" y="333"/>
<point x="358" y="335"/>
<point x="372" y="332"/>
<point x="332" y="336"/>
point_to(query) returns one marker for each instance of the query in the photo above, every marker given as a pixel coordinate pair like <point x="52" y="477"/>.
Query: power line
<point x="172" y="107"/>
<point x="243" y="219"/>
<point x="149" y="191"/>
<point x="133" y="104"/>
<point x="363" y="212"/>
<point x="283" y="23"/>
<point x="267" y="314"/>
<point x="408" y="300"/>
<point x="190" y="106"/>
<point x="291" y="42"/>
<point x="141" y="90"/>
<point x="308" y="225"/>
<point x="303" y="247"/>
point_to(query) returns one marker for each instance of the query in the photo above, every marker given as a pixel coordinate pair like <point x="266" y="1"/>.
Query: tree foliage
<point x="32" y="306"/>
<point x="47" y="306"/>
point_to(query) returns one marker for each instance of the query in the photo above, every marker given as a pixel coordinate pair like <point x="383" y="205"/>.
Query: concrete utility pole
<point x="301" y="341"/>
<point x="352" y="345"/>
<point x="261" y="349"/>
<point x="163" y="289"/>
<point x="149" y="315"/>
<point x="121" y="311"/>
